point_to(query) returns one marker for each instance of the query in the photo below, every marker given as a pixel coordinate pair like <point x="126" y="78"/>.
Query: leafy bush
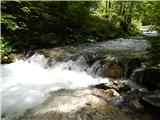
<point x="9" y="21"/>
<point x="5" y="47"/>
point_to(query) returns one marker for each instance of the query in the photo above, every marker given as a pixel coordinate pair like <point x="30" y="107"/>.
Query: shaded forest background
<point x="29" y="25"/>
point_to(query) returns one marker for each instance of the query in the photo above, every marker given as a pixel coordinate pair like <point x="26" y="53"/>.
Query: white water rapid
<point x="26" y="84"/>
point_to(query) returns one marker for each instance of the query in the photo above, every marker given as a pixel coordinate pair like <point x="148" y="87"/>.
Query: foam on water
<point x="27" y="84"/>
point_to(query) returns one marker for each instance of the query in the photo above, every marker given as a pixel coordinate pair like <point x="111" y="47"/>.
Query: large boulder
<point x="112" y="67"/>
<point x="149" y="78"/>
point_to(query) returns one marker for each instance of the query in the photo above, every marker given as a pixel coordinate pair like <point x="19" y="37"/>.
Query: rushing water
<point x="150" y="32"/>
<point x="26" y="83"/>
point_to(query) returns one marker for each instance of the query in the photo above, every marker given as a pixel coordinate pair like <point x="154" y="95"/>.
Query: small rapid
<point x="26" y="84"/>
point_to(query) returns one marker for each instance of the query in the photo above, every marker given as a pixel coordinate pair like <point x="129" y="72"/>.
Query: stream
<point x="59" y="79"/>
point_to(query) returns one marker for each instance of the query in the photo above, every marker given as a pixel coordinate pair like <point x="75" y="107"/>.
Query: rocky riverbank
<point x="116" y="101"/>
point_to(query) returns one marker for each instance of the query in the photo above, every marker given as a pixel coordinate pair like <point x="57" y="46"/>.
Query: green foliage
<point x="157" y="28"/>
<point x="9" y="21"/>
<point x="134" y="28"/>
<point x="42" y="24"/>
<point x="148" y="12"/>
<point x="5" y="48"/>
<point x="91" y="39"/>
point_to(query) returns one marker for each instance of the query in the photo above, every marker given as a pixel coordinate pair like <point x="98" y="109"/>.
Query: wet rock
<point x="101" y="86"/>
<point x="117" y="101"/>
<point x="112" y="67"/>
<point x="152" y="101"/>
<point x="119" y="86"/>
<point x="149" y="78"/>
<point x="131" y="66"/>
<point x="8" y="59"/>
<point x="105" y="94"/>
<point x="131" y="100"/>
<point x="105" y="112"/>
<point x="136" y="104"/>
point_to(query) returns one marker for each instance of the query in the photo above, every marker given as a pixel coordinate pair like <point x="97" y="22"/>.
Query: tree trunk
<point x="129" y="18"/>
<point x="110" y="4"/>
<point x="106" y="6"/>
<point x="124" y="9"/>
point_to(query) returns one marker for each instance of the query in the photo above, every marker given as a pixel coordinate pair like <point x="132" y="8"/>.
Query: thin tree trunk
<point x="110" y="4"/>
<point x="106" y="6"/>
<point x="129" y="19"/>
<point x="124" y="9"/>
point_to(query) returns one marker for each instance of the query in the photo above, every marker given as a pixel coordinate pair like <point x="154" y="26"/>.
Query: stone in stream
<point x="149" y="78"/>
<point x="119" y="86"/>
<point x="112" y="67"/>
<point x="106" y="94"/>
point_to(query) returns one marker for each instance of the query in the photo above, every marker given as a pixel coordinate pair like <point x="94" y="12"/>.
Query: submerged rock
<point x="112" y="67"/>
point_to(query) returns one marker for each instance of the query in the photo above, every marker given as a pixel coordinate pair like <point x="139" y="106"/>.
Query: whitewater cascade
<point x="27" y="83"/>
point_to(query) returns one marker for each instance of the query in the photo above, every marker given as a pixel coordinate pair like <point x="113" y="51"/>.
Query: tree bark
<point x="106" y="6"/>
<point x="110" y="4"/>
<point x="129" y="18"/>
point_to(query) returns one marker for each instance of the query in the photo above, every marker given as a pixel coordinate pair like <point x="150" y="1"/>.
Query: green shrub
<point x="5" y="47"/>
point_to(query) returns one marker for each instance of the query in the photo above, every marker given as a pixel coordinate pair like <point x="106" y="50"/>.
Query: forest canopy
<point x="29" y="25"/>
